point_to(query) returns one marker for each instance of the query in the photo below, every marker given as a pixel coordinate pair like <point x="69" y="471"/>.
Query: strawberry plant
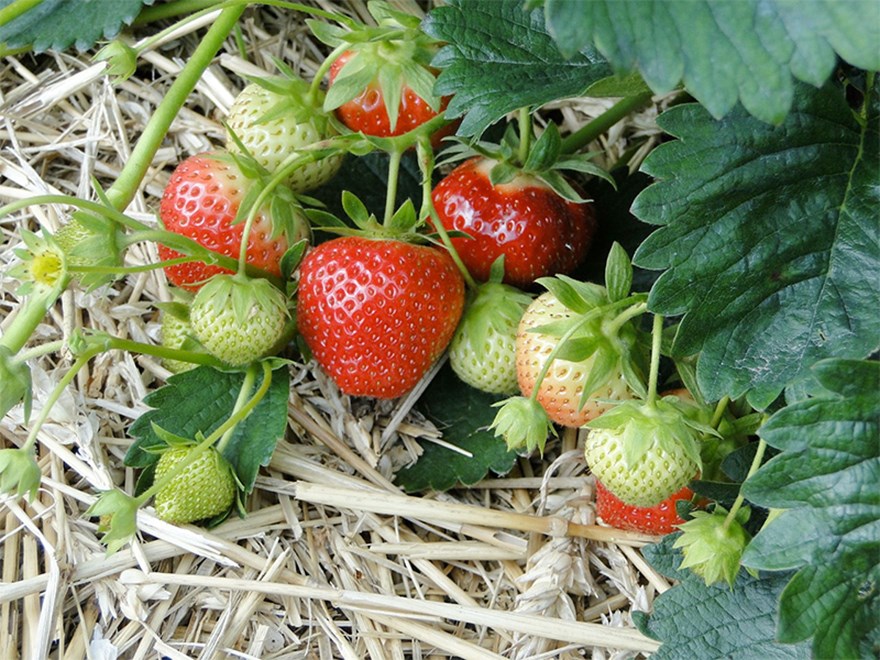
<point x="741" y="261"/>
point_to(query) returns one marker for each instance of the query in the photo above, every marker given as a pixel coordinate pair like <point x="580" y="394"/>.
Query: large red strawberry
<point x="538" y="232"/>
<point x="201" y="201"/>
<point x="368" y="114"/>
<point x="377" y="313"/>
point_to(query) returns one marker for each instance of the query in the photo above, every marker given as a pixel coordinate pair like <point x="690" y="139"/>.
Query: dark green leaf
<point x="826" y="479"/>
<point x="499" y="57"/>
<point x="724" y="50"/>
<point x="464" y="415"/>
<point x="769" y="240"/>
<point x="202" y="399"/>
<point x="58" y="24"/>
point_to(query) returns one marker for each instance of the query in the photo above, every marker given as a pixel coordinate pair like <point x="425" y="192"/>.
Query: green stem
<point x="237" y="416"/>
<point x="30" y="314"/>
<point x="250" y="378"/>
<point x="426" y="165"/>
<point x="391" y="187"/>
<point x="172" y="9"/>
<point x="40" y="351"/>
<point x="756" y="463"/>
<point x="80" y="362"/>
<point x="315" y="87"/>
<point x="82" y="204"/>
<point x="165" y="352"/>
<point x="603" y="122"/>
<point x="525" y="135"/>
<point x="720" y="409"/>
<point x="656" y="338"/>
<point x="12" y="11"/>
<point x="123" y="190"/>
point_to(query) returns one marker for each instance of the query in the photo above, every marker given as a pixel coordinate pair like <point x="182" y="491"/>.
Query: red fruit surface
<point x="366" y="112"/>
<point x="200" y="201"/>
<point x="376" y="313"/>
<point x="539" y="233"/>
<point x="658" y="520"/>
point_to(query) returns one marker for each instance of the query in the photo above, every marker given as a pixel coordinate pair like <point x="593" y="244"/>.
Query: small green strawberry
<point x="483" y="350"/>
<point x="644" y="452"/>
<point x="239" y="320"/>
<point x="204" y="489"/>
<point x="176" y="330"/>
<point x="713" y="544"/>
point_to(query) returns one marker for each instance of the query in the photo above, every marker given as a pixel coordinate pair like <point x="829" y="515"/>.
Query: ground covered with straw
<point x="333" y="559"/>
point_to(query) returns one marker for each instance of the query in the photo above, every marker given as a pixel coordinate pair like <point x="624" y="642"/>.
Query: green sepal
<point x="356" y="210"/>
<point x="15" y="384"/>
<point x="502" y="172"/>
<point x="523" y="424"/>
<point x="404" y="219"/>
<point x="618" y="273"/>
<point x="121" y="508"/>
<point x="292" y="258"/>
<point x="545" y="151"/>
<point x="605" y="363"/>
<point x="19" y="473"/>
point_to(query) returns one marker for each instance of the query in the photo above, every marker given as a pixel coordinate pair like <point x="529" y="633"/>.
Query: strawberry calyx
<point x="712" y="544"/>
<point x="403" y="224"/>
<point x="519" y="159"/>
<point x="390" y="56"/>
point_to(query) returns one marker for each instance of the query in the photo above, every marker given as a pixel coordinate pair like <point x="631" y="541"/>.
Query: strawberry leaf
<point x="769" y="239"/>
<point x="825" y="478"/>
<point x="499" y="57"/>
<point x="761" y="43"/>
<point x="696" y="621"/>
<point x="464" y="415"/>
<point x="198" y="401"/>
<point x="58" y="24"/>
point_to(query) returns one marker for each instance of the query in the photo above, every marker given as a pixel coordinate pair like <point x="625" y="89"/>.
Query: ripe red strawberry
<point x="562" y="388"/>
<point x="238" y="319"/>
<point x="206" y="487"/>
<point x="201" y="201"/>
<point x="538" y="232"/>
<point x="273" y="119"/>
<point x="367" y="112"/>
<point x="377" y="313"/>
<point x="659" y="520"/>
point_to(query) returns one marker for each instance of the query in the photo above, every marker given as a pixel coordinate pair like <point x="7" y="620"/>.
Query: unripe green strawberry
<point x="239" y="320"/>
<point x="204" y="489"/>
<point x="176" y="329"/>
<point x="483" y="350"/>
<point x="273" y="118"/>
<point x="644" y="452"/>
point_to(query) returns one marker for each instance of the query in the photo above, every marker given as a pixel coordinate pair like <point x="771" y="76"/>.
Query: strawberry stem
<point x="740" y="499"/>
<point x="391" y="191"/>
<point x="124" y="188"/>
<point x="656" y="339"/>
<point x="244" y="392"/>
<point x="720" y="408"/>
<point x="525" y="135"/>
<point x="606" y="120"/>
<point x="29" y="315"/>
<point x="426" y="166"/>
<point x="234" y="419"/>
<point x="334" y="55"/>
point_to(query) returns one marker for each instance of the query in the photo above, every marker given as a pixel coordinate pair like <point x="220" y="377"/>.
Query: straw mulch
<point x="333" y="560"/>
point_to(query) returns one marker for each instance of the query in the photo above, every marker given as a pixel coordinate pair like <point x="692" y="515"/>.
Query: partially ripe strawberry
<point x="659" y="519"/>
<point x="273" y="119"/>
<point x="537" y="232"/>
<point x="201" y="201"/>
<point x="483" y="349"/>
<point x="239" y="320"/>
<point x="562" y="389"/>
<point x="206" y="487"/>
<point x="377" y="313"/>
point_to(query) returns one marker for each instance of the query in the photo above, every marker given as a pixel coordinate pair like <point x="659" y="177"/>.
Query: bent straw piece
<point x="417" y="508"/>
